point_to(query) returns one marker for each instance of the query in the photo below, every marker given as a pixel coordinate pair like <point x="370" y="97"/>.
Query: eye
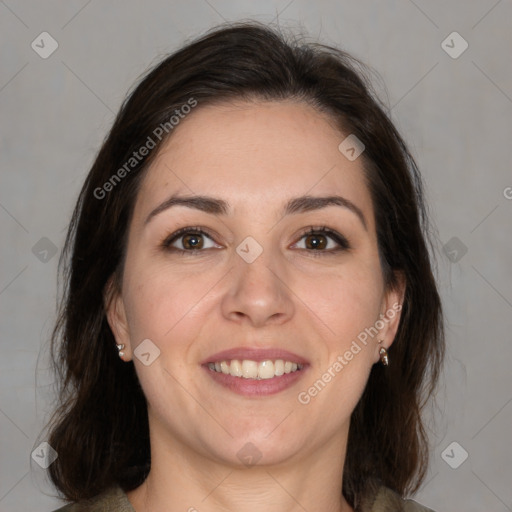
<point x="189" y="239"/>
<point x="193" y="240"/>
<point x="322" y="239"/>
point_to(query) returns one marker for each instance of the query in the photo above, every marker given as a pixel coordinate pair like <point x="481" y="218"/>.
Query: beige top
<point x="115" y="500"/>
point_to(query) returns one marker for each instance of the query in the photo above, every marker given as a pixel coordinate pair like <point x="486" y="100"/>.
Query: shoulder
<point x="387" y="500"/>
<point x="112" y="500"/>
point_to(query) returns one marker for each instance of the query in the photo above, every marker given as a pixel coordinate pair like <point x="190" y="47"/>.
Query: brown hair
<point x="100" y="429"/>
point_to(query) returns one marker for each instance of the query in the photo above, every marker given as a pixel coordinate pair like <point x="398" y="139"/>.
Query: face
<point x="276" y="290"/>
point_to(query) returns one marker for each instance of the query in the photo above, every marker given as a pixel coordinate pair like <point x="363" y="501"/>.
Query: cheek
<point x="347" y="302"/>
<point x="159" y="301"/>
<point x="165" y="307"/>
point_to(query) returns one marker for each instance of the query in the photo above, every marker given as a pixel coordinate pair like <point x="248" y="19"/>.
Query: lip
<point x="254" y="387"/>
<point x="255" y="354"/>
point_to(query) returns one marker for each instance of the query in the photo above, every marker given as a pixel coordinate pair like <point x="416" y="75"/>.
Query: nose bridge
<point x="257" y="291"/>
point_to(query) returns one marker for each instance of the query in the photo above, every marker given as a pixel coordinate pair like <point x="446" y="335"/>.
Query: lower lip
<point x="255" y="387"/>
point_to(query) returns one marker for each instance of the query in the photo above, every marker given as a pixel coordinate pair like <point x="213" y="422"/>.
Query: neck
<point x="182" y="480"/>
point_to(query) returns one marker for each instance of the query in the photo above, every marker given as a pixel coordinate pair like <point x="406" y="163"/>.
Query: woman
<point x="250" y="318"/>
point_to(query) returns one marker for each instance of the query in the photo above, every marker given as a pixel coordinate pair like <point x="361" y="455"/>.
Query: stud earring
<point x="120" y="348"/>
<point x="384" y="359"/>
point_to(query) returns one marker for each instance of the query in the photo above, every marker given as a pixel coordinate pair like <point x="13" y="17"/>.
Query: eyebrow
<point x="296" y="205"/>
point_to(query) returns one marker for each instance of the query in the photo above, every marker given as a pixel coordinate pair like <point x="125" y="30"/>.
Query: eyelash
<point x="314" y="230"/>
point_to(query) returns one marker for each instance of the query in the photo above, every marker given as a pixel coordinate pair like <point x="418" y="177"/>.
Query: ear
<point x="116" y="316"/>
<point x="391" y="311"/>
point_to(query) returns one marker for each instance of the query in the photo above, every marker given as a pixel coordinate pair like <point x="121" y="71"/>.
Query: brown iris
<point x="193" y="241"/>
<point x="316" y="241"/>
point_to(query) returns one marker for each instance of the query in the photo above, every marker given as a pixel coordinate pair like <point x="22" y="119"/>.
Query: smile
<point x="249" y="369"/>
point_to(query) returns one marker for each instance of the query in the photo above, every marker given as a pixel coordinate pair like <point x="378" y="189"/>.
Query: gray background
<point x="456" y="113"/>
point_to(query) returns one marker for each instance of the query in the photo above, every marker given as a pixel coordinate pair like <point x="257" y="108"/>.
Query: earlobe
<point x="116" y="317"/>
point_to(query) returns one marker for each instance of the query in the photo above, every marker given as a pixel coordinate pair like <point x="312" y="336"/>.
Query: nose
<point x="258" y="294"/>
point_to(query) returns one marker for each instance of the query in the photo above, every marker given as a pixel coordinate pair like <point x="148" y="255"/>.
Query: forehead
<point x="257" y="153"/>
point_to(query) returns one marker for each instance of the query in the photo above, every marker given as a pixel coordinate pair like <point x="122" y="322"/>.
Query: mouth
<point x="255" y="372"/>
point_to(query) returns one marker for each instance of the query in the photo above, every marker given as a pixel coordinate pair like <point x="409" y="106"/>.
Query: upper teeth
<point x="255" y="370"/>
